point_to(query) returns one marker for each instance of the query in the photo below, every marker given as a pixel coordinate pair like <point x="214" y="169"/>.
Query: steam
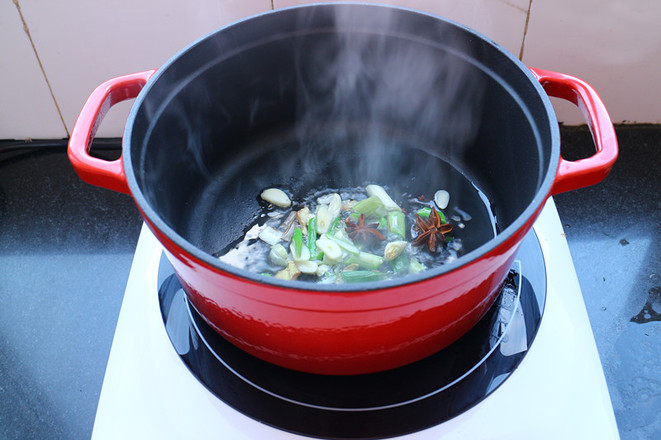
<point x="363" y="79"/>
<point x="374" y="73"/>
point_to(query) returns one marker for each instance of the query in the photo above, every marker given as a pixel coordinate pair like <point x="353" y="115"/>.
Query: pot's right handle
<point x="107" y="174"/>
<point x="584" y="172"/>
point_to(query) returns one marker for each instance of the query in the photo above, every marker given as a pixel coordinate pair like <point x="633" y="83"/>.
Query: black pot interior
<point x="335" y="96"/>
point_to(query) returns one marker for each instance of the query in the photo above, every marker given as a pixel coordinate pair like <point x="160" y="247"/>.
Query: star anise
<point x="361" y="232"/>
<point x="430" y="231"/>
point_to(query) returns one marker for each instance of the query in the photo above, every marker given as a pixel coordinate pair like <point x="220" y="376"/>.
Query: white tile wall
<point x="26" y="106"/>
<point x="615" y="45"/>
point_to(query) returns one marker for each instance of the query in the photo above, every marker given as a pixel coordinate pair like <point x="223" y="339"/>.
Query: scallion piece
<point x="333" y="226"/>
<point x="360" y="276"/>
<point x="397" y="223"/>
<point x="347" y="246"/>
<point x="371" y="206"/>
<point x="401" y="263"/>
<point x="415" y="266"/>
<point x="425" y="212"/>
<point x="297" y="240"/>
<point x="365" y="260"/>
<point x="312" y="236"/>
<point x="380" y="192"/>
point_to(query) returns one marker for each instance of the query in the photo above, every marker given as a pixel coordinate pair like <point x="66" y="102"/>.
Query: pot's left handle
<point x="107" y="174"/>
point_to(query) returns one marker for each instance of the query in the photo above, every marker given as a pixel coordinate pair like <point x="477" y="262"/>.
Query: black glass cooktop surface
<point x="378" y="405"/>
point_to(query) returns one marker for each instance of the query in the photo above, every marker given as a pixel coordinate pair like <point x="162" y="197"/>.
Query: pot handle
<point x="107" y="174"/>
<point x="584" y="172"/>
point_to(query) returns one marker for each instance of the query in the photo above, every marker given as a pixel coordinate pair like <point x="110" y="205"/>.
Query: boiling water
<point x="411" y="179"/>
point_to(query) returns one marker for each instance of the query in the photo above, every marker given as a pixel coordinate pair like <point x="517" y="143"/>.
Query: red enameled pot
<point x="300" y="97"/>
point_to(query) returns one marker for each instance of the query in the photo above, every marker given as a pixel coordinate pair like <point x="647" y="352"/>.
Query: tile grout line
<point x="525" y="30"/>
<point x="41" y="66"/>
<point x="514" y="6"/>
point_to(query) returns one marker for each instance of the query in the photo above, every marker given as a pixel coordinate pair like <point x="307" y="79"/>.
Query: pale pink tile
<point x="26" y="106"/>
<point x="501" y="21"/>
<point x="613" y="45"/>
<point x="83" y="44"/>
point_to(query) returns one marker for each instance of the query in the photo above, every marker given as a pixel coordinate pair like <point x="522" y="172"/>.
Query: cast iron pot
<point x="305" y="97"/>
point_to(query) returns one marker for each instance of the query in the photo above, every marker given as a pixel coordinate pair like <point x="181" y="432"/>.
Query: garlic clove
<point x="270" y="235"/>
<point x="393" y="250"/>
<point x="324" y="219"/>
<point x="331" y="250"/>
<point x="308" y="266"/>
<point x="442" y="199"/>
<point x="276" y="197"/>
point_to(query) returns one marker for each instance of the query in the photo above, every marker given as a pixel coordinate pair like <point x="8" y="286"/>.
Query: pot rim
<point x="195" y="253"/>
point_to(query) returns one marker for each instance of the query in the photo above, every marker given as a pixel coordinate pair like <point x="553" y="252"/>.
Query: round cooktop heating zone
<point x="378" y="405"/>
